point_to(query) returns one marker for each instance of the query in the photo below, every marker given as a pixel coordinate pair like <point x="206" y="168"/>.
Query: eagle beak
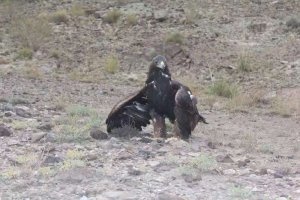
<point x="161" y="65"/>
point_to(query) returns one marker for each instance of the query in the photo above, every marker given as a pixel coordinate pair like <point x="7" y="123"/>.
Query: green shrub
<point x="25" y="54"/>
<point x="176" y="38"/>
<point x="223" y="89"/>
<point x="113" y="17"/>
<point x="60" y="17"/>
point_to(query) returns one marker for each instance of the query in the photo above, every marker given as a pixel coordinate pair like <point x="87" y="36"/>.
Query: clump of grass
<point x="60" y="17"/>
<point x="293" y="23"/>
<point x="25" y="54"/>
<point x="46" y="172"/>
<point x="55" y="54"/>
<point x="77" y="11"/>
<point x="192" y="11"/>
<point x="244" y="63"/>
<point x="131" y="19"/>
<point x="78" y="110"/>
<point x="76" y="125"/>
<point x="86" y="77"/>
<point x="281" y="107"/>
<point x="239" y="192"/>
<point x="61" y="102"/>
<point x="169" y="126"/>
<point x="176" y="38"/>
<point x="32" y="71"/>
<point x="267" y="149"/>
<point x="10" y="9"/>
<point x="202" y="163"/>
<point x="152" y="54"/>
<point x="73" y="160"/>
<point x="111" y="64"/>
<point x="223" y="89"/>
<point x="242" y="102"/>
<point x="119" y="2"/>
<point x="249" y="142"/>
<point x="20" y="125"/>
<point x="11" y="172"/>
<point x="113" y="17"/>
<point x="31" y="33"/>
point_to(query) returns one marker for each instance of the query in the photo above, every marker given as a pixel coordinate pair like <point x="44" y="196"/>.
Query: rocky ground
<point x="54" y="99"/>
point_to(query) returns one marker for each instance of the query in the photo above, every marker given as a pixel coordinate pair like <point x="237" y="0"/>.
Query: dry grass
<point x="60" y="17"/>
<point x="3" y="62"/>
<point x="113" y="17"/>
<point x="177" y="38"/>
<point x="223" y="89"/>
<point x="293" y="23"/>
<point x="244" y="62"/>
<point x="86" y="77"/>
<point x="287" y="106"/>
<point x="10" y="10"/>
<point x="111" y="64"/>
<point x="25" y="54"/>
<point x="32" y="33"/>
<point x="192" y="11"/>
<point x="131" y="19"/>
<point x="55" y="54"/>
<point x="249" y="142"/>
<point x="32" y="71"/>
<point x="243" y="102"/>
<point x="77" y="11"/>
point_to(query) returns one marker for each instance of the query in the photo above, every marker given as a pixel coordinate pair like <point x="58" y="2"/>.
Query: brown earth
<point x="249" y="149"/>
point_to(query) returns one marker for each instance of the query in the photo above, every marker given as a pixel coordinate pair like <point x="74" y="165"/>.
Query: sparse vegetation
<point x="293" y="23"/>
<point x="267" y="148"/>
<point x="74" y="160"/>
<point x="32" y="71"/>
<point x="77" y="11"/>
<point x="61" y="102"/>
<point x="223" y="89"/>
<point x="176" y="38"/>
<point x="202" y="163"/>
<point x="113" y="17"/>
<point x="10" y="10"/>
<point x="31" y="33"/>
<point x="111" y="64"/>
<point x="11" y="172"/>
<point x="25" y="54"/>
<point x="192" y="11"/>
<point x="55" y="54"/>
<point x="244" y="63"/>
<point x="131" y="19"/>
<point x="239" y="192"/>
<point x="249" y="142"/>
<point x="75" y="126"/>
<point x="60" y="17"/>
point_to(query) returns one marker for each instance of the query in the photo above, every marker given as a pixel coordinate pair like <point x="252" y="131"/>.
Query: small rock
<point x="99" y="14"/>
<point x="168" y="197"/>
<point x="134" y="172"/>
<point x="51" y="160"/>
<point x="8" y="114"/>
<point x="224" y="159"/>
<point x="270" y="171"/>
<point x="190" y="179"/>
<point x="7" y="120"/>
<point x="161" y="15"/>
<point x="118" y="195"/>
<point x="4" y="132"/>
<point x="281" y="198"/>
<point x="46" y="127"/>
<point x="50" y="136"/>
<point x="228" y="171"/>
<point x="37" y="136"/>
<point x="132" y="77"/>
<point x="23" y="113"/>
<point x="154" y="163"/>
<point x="146" y="140"/>
<point x="263" y="171"/>
<point x="8" y="107"/>
<point x="98" y="134"/>
<point x="84" y="198"/>
<point x="276" y="175"/>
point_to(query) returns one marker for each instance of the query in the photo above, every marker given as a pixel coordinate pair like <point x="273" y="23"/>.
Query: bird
<point x="160" y="98"/>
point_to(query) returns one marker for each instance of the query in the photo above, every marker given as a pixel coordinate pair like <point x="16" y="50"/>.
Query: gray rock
<point x="276" y="175"/>
<point x="168" y="197"/>
<point x="161" y="15"/>
<point x="36" y="137"/>
<point x="46" y="126"/>
<point x="8" y="107"/>
<point x="99" y="14"/>
<point x="224" y="159"/>
<point x="118" y="195"/>
<point x="51" y="160"/>
<point x="229" y="172"/>
<point x="4" y="132"/>
<point x="98" y="134"/>
<point x="50" y="136"/>
<point x="84" y="198"/>
<point x="23" y="113"/>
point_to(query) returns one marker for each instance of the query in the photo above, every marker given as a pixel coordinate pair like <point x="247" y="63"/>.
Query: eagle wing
<point x="186" y="112"/>
<point x="133" y="110"/>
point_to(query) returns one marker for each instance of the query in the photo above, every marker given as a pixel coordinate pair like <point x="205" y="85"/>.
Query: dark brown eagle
<point x="161" y="97"/>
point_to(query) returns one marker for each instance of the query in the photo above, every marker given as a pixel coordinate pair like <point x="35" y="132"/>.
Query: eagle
<point x="160" y="98"/>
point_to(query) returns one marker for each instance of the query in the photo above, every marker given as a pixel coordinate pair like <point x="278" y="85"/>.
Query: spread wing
<point x="133" y="110"/>
<point x="186" y="112"/>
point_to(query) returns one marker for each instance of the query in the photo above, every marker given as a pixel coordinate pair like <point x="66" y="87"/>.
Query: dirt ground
<point x="51" y="103"/>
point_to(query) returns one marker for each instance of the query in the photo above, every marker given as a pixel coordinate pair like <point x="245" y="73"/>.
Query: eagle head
<point x="160" y="62"/>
